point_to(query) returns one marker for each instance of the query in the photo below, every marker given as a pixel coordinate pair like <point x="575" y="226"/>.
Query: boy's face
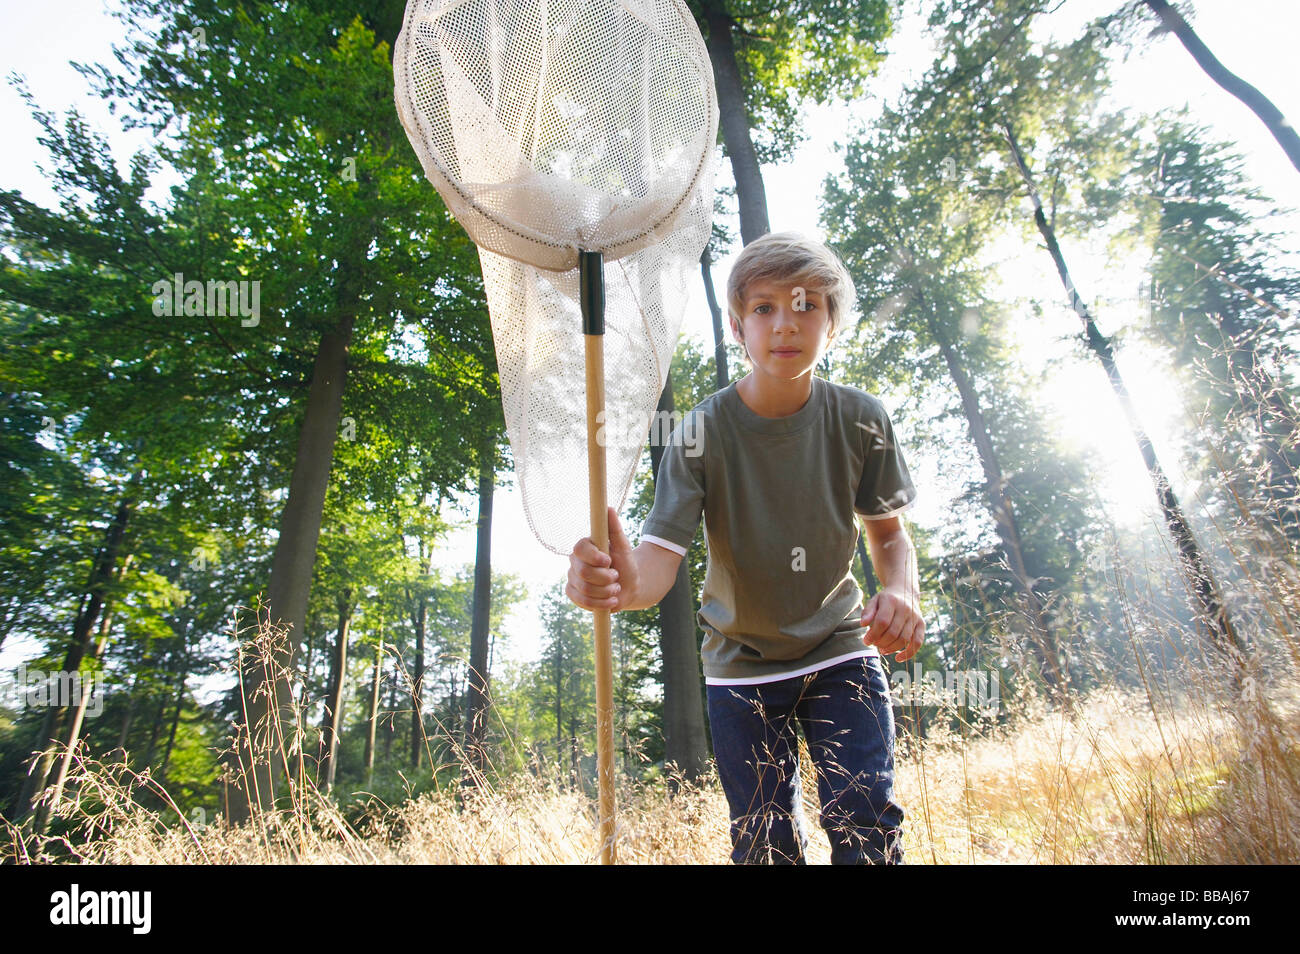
<point x="784" y="328"/>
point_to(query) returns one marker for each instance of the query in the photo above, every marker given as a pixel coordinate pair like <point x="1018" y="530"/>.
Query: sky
<point x="1254" y="38"/>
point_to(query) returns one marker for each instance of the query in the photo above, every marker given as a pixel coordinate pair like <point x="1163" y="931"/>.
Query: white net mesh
<point x="550" y="126"/>
<point x="554" y="125"/>
<point x="538" y="333"/>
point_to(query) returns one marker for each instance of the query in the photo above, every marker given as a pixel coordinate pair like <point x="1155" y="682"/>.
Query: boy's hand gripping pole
<point x="591" y="293"/>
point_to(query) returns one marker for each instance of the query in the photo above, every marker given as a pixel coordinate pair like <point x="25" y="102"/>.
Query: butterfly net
<point x="550" y="127"/>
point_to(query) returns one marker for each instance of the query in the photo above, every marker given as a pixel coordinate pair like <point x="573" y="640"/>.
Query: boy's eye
<point x="761" y="309"/>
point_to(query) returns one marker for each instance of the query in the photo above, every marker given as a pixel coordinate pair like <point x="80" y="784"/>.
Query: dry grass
<point x="1115" y="783"/>
<point x="1199" y="765"/>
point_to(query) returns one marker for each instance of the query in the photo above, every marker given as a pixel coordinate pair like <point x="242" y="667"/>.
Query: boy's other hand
<point x="894" y="623"/>
<point x="598" y="580"/>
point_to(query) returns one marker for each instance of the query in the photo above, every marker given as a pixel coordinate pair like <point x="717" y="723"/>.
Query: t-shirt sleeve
<point x="886" y="488"/>
<point x="679" y="495"/>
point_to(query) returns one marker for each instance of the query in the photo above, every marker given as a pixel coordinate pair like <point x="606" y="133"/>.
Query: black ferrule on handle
<point x="591" y="292"/>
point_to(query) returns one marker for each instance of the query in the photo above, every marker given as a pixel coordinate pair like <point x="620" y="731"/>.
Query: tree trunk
<point x="477" y="701"/>
<point x="338" y="676"/>
<point x="719" y="340"/>
<point x="100" y="576"/>
<point x="373" y="721"/>
<point x="420" y="617"/>
<point x="183" y="671"/>
<point x="685" y="742"/>
<point x="559" y="703"/>
<point x="868" y="571"/>
<point x="1004" y="519"/>
<point x="575" y="766"/>
<point x="270" y="725"/>
<point x="454" y="709"/>
<point x="128" y="718"/>
<point x="157" y="721"/>
<point x="304" y="698"/>
<point x="1257" y="102"/>
<point x="309" y="634"/>
<point x="733" y="116"/>
<point x="1207" y="604"/>
<point x="620" y="693"/>
<point x="176" y="721"/>
<point x="392" y="724"/>
<point x="47" y="810"/>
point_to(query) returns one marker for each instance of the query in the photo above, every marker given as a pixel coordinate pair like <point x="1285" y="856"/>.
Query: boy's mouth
<point x="785" y="351"/>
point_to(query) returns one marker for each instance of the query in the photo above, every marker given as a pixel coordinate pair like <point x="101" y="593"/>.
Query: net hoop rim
<point x="566" y="257"/>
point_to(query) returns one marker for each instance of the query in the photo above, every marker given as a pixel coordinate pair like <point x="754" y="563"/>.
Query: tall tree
<point x="333" y="721"/>
<point x="316" y="131"/>
<point x="1204" y="588"/>
<point x="372" y="720"/>
<point x="999" y="86"/>
<point x="571" y="684"/>
<point x="911" y="246"/>
<point x="1259" y="104"/>
<point x="477" y="697"/>
<point x="766" y="60"/>
<point x="685" y="738"/>
<point x="78" y="645"/>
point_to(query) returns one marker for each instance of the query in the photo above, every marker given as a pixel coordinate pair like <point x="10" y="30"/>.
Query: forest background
<point x="342" y="454"/>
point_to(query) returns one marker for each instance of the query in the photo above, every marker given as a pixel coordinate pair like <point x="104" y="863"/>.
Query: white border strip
<point x="892" y="513"/>
<point x="661" y="542"/>
<point x="777" y="677"/>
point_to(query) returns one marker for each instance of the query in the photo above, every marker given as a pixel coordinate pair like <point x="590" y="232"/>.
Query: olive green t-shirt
<point x="778" y="497"/>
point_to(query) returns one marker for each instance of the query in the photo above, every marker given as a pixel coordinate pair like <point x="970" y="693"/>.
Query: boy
<point x="783" y="461"/>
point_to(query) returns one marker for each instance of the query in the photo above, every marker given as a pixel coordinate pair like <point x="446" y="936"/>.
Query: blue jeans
<point x="847" y="720"/>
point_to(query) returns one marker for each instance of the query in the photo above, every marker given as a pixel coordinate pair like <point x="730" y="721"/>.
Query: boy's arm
<point x="656" y="574"/>
<point x="893" y="616"/>
<point x="633" y="579"/>
<point x="626" y="578"/>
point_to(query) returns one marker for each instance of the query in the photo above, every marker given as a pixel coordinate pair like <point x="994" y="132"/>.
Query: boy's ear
<point x="737" y="329"/>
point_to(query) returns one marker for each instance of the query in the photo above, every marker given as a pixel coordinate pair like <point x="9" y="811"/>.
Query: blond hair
<point x="793" y="258"/>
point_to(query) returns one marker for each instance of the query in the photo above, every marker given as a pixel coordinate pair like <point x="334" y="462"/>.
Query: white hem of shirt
<point x="661" y="542"/>
<point x="777" y="677"/>
<point x="892" y="513"/>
